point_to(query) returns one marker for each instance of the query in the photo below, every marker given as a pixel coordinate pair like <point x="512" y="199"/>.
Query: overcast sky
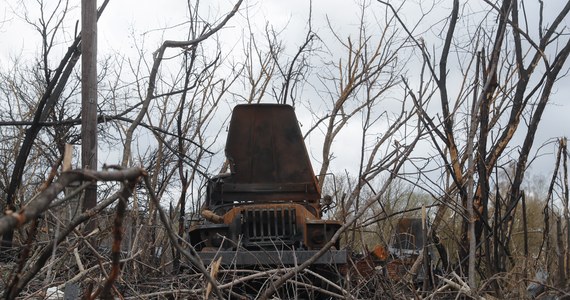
<point x="125" y="21"/>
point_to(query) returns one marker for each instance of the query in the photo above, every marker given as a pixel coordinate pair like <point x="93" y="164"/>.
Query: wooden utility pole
<point x="89" y="98"/>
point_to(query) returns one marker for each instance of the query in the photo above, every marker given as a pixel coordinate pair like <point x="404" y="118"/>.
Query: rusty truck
<point x="266" y="208"/>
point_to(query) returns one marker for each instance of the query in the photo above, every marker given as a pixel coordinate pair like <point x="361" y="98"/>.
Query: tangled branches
<point x="40" y="205"/>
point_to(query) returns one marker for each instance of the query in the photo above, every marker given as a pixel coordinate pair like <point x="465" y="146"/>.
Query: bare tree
<point x="445" y="96"/>
<point x="54" y="85"/>
<point x="507" y="75"/>
<point x="182" y="141"/>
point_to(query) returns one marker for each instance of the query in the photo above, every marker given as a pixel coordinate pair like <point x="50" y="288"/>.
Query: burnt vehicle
<point x="408" y="241"/>
<point x="268" y="208"/>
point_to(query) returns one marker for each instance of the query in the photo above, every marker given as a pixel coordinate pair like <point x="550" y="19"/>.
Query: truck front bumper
<point x="264" y="258"/>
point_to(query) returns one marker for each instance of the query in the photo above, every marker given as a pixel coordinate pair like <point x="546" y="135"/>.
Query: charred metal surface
<point x="267" y="158"/>
<point x="398" y="268"/>
<point x="319" y="232"/>
<point x="265" y="146"/>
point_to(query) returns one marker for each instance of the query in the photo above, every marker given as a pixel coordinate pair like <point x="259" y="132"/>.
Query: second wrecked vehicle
<point x="268" y="208"/>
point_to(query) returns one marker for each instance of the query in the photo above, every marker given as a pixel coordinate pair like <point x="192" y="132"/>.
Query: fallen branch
<point x="460" y="286"/>
<point x="79" y="276"/>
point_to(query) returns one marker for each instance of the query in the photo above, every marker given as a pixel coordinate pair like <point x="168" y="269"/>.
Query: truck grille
<point x="268" y="226"/>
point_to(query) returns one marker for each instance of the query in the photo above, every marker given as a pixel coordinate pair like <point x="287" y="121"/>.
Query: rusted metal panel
<point x="267" y="153"/>
<point x="398" y="268"/>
